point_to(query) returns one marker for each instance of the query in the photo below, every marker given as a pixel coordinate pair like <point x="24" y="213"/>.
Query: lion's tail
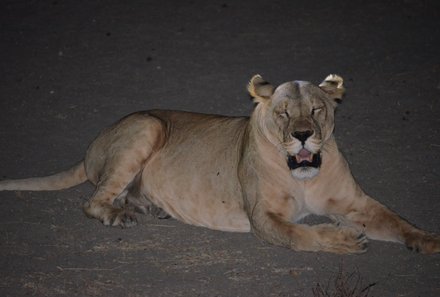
<point x="63" y="180"/>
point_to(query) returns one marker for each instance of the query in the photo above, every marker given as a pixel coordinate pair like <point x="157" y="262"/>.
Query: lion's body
<point x="261" y="174"/>
<point x="212" y="197"/>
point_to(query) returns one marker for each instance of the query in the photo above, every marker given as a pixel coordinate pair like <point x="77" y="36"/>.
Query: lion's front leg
<point x="274" y="229"/>
<point x="380" y="223"/>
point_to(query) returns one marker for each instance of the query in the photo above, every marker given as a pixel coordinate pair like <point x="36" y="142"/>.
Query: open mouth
<point x="304" y="158"/>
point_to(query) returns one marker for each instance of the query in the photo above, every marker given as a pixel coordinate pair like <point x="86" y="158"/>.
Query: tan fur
<point x="239" y="174"/>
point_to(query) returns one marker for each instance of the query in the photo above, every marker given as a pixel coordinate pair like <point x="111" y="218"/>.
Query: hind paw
<point x="109" y="215"/>
<point x="123" y="218"/>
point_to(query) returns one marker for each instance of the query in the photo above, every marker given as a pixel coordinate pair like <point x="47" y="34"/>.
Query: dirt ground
<point x="70" y="68"/>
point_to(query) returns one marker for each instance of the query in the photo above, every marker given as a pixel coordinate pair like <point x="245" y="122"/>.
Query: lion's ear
<point x="260" y="89"/>
<point x="334" y="86"/>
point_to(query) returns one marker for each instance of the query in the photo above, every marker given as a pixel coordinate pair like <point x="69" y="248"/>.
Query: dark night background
<point x="70" y="68"/>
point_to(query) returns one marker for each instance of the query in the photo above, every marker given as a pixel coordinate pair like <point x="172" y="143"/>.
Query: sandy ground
<point x="70" y="68"/>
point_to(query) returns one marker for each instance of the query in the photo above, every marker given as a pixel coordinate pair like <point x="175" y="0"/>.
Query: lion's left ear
<point x="259" y="89"/>
<point x="334" y="86"/>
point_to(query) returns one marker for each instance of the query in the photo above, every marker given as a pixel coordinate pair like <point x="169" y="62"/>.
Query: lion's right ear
<point x="259" y="89"/>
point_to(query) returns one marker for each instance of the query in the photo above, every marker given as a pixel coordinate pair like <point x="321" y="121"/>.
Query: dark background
<point x="70" y="68"/>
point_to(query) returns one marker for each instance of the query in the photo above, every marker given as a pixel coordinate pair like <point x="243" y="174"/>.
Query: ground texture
<point x="70" y="68"/>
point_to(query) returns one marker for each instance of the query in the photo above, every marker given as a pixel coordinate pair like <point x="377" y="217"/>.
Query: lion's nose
<point x="302" y="135"/>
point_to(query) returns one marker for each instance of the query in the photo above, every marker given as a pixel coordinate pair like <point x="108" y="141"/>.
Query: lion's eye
<point x="284" y="114"/>
<point x="316" y="109"/>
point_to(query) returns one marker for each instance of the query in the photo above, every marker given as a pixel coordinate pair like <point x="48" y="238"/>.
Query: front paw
<point x="424" y="243"/>
<point x="341" y="240"/>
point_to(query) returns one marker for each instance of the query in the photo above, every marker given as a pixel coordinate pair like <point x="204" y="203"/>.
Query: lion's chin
<point x="304" y="165"/>
<point x="304" y="173"/>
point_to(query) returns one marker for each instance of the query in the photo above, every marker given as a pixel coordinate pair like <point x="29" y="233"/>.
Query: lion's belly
<point x="196" y="200"/>
<point x="193" y="176"/>
<point x="201" y="212"/>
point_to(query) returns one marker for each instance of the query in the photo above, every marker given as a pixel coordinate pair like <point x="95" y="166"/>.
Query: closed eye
<point x="317" y="109"/>
<point x="285" y="115"/>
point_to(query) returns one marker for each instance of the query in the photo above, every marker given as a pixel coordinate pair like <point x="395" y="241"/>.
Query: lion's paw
<point x="109" y="215"/>
<point x="120" y="217"/>
<point x="424" y="243"/>
<point x="341" y="240"/>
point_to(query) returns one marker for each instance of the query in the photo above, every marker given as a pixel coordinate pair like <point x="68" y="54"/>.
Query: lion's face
<point x="298" y="118"/>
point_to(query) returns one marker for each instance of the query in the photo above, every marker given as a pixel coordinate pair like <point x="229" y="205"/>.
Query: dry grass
<point x="343" y="285"/>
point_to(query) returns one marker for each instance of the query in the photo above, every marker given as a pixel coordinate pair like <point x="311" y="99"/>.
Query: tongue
<point x="303" y="153"/>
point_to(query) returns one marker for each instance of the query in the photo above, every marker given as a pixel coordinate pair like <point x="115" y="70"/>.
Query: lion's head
<point x="298" y="118"/>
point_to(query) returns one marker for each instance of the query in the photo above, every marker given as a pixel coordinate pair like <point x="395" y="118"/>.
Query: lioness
<point x="259" y="174"/>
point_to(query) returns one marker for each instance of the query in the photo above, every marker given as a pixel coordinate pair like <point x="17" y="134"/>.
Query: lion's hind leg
<point x="112" y="187"/>
<point x="100" y="206"/>
<point x="114" y="162"/>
